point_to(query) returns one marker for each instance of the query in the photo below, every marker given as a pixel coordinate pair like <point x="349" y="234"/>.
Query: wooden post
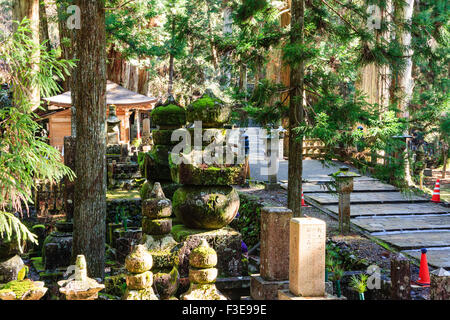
<point x="400" y="278"/>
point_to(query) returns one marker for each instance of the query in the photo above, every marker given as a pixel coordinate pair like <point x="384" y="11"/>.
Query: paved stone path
<point x="405" y="222"/>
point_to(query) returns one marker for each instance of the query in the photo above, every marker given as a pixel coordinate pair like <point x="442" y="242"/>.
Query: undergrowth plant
<point x="25" y="156"/>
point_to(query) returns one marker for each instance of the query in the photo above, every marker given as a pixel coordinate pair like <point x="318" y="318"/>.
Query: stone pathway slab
<point x="358" y="210"/>
<point x="437" y="258"/>
<point x="367" y="197"/>
<point x="416" y="240"/>
<point x="359" y="186"/>
<point x="378" y="224"/>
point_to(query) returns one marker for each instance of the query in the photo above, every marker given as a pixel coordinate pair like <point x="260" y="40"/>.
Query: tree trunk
<point x="43" y="26"/>
<point x="296" y="112"/>
<point x="89" y="98"/>
<point x="445" y="156"/>
<point x="65" y="37"/>
<point x="170" y="90"/>
<point x="405" y="81"/>
<point x="30" y="9"/>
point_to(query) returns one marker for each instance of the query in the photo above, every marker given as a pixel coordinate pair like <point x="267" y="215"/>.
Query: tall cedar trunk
<point x="65" y="37"/>
<point x="66" y="44"/>
<point x="405" y="81"/>
<point x="43" y="26"/>
<point x="30" y="9"/>
<point x="296" y="112"/>
<point x="89" y="98"/>
<point x="170" y="90"/>
<point x="171" y="58"/>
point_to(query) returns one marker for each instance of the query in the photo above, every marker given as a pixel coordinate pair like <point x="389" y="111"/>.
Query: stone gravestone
<point x="274" y="255"/>
<point x="440" y="285"/>
<point x="306" y="261"/>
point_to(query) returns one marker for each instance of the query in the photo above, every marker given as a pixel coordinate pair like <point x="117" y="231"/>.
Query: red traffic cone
<point x="424" y="274"/>
<point x="437" y="192"/>
<point x="303" y="201"/>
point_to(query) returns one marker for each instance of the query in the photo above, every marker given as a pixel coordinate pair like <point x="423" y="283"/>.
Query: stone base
<point x="272" y="186"/>
<point x="203" y="292"/>
<point x="57" y="250"/>
<point x="226" y="242"/>
<point x="145" y="294"/>
<point x="261" y="289"/>
<point x="287" y="295"/>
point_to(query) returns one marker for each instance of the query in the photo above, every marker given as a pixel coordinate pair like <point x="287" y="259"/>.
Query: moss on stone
<point x="139" y="281"/>
<point x="203" y="257"/>
<point x="156" y="226"/>
<point x="115" y="285"/>
<point x="18" y="287"/>
<point x="146" y="188"/>
<point x="157" y="208"/>
<point x="203" y="276"/>
<point x="139" y="261"/>
<point x="190" y="174"/>
<point x="211" y="207"/>
<point x="211" y="111"/>
<point x="169" y="115"/>
<point x="163" y="259"/>
<point x="163" y="137"/>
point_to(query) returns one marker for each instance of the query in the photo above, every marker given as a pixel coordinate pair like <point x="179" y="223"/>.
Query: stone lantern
<point x="113" y="128"/>
<point x="344" y="187"/>
<point x="80" y="286"/>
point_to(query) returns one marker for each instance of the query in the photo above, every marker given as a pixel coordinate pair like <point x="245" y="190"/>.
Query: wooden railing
<point x="314" y="149"/>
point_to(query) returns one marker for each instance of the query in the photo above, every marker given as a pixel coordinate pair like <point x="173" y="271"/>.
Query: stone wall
<point x="132" y="207"/>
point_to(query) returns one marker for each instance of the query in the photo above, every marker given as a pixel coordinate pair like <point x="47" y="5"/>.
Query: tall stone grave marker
<point x="274" y="255"/>
<point x="306" y="261"/>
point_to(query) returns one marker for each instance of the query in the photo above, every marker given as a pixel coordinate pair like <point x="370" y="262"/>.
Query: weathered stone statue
<point x="139" y="278"/>
<point x="167" y="117"/>
<point x="202" y="274"/>
<point x="207" y="200"/>
<point x="156" y="228"/>
<point x="113" y="128"/>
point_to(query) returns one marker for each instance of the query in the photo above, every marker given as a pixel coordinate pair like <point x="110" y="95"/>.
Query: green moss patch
<point x="122" y="194"/>
<point x="211" y="111"/>
<point x="170" y="115"/>
<point x="18" y="287"/>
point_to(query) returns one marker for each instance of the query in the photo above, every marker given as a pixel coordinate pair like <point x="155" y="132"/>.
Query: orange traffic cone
<point x="424" y="274"/>
<point x="303" y="201"/>
<point x="437" y="192"/>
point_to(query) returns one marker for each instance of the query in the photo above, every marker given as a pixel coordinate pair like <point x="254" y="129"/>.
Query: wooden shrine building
<point x="131" y="109"/>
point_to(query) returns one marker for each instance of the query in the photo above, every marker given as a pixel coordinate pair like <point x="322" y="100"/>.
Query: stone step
<point x="367" y="197"/>
<point x="359" y="186"/>
<point x="402" y="223"/>
<point x="408" y="240"/>
<point x="358" y="210"/>
<point x="436" y="257"/>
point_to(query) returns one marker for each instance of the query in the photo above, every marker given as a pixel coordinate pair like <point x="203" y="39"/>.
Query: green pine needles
<point x="25" y="156"/>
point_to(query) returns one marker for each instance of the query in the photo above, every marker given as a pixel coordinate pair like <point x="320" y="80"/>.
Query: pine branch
<point x="340" y="16"/>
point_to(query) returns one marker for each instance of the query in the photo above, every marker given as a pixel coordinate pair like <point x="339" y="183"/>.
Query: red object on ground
<point x="303" y="201"/>
<point x="437" y="192"/>
<point x="424" y="274"/>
